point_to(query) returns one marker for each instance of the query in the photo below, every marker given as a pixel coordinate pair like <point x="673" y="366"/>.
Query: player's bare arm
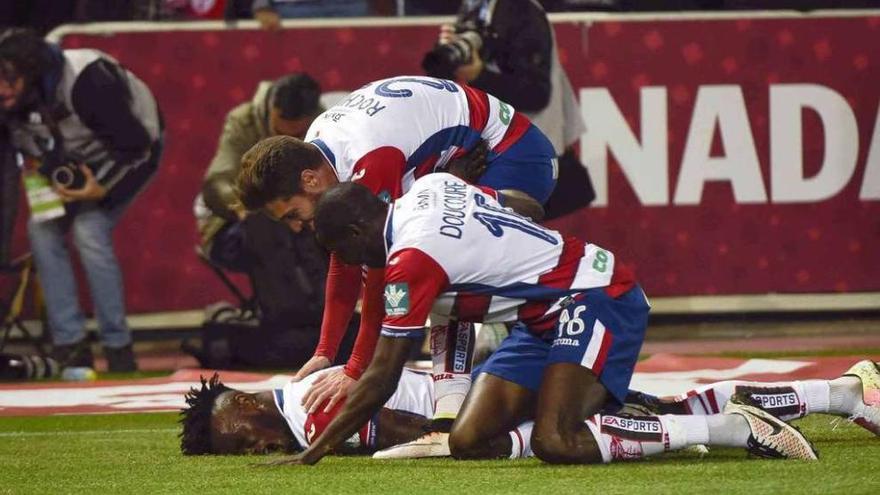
<point x="371" y="391"/>
<point x="472" y="165"/>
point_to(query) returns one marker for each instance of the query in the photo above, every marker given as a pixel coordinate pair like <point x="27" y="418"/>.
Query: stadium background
<point x="725" y="244"/>
<point x="654" y="67"/>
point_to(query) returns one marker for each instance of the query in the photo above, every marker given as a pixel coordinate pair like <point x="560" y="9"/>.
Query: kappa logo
<point x="359" y="174"/>
<point x="310" y="432"/>
<point x="397" y="299"/>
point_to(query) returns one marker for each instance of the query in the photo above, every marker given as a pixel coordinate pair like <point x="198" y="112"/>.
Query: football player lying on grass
<point x="221" y="420"/>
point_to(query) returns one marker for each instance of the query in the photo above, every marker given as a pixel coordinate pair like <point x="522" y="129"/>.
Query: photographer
<point x="287" y="270"/>
<point x="507" y="48"/>
<point x="86" y="134"/>
<point x="286" y="106"/>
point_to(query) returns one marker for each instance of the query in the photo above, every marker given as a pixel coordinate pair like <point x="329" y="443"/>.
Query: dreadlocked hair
<point x="195" y="439"/>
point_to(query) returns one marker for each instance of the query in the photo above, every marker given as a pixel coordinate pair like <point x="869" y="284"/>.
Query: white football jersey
<point x="414" y="394"/>
<point x="453" y="250"/>
<point x="390" y="132"/>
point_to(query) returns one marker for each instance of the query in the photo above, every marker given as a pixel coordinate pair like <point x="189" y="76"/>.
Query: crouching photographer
<point x="507" y="48"/>
<point x="86" y="135"/>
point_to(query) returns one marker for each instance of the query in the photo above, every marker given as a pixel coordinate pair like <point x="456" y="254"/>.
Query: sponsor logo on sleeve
<point x="310" y="432"/>
<point x="505" y="113"/>
<point x="397" y="299"/>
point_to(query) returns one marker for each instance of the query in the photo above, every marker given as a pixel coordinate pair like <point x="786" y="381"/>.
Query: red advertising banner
<point x="730" y="155"/>
<point x="733" y="156"/>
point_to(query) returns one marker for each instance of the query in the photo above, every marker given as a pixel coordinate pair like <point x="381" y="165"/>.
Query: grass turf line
<point x="138" y="453"/>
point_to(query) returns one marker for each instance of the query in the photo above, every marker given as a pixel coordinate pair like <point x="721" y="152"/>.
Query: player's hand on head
<point x="472" y="165"/>
<point x="314" y="364"/>
<point x="331" y="388"/>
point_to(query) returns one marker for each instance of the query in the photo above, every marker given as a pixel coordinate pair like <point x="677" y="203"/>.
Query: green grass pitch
<point x="138" y="453"/>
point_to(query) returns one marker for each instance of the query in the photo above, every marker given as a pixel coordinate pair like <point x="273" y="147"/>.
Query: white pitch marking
<point x="83" y="432"/>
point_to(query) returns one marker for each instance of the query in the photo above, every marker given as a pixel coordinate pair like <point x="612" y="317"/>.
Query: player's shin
<point x="452" y="351"/>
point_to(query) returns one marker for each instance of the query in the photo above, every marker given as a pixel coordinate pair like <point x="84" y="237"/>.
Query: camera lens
<point x="63" y="176"/>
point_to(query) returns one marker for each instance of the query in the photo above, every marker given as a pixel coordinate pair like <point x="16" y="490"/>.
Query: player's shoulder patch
<point x="397" y="299"/>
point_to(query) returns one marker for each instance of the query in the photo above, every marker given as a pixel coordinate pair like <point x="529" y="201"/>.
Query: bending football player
<point x="384" y="136"/>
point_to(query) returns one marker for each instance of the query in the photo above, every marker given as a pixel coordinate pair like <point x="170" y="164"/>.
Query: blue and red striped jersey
<point x="454" y="251"/>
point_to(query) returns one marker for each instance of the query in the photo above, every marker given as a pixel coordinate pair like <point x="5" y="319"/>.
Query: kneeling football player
<point x="452" y="249"/>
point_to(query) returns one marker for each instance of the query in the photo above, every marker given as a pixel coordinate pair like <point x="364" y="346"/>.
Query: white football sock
<point x="521" y="441"/>
<point x="727" y="430"/>
<point x="452" y="351"/>
<point x="786" y="400"/>
<point x="845" y="395"/>
<point x="816" y="395"/>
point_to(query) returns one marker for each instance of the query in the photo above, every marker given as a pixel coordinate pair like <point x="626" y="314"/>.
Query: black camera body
<point x="444" y="59"/>
<point x="62" y="169"/>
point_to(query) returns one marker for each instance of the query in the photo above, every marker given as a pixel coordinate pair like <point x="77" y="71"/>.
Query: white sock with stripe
<point x="452" y="351"/>
<point x="786" y="400"/>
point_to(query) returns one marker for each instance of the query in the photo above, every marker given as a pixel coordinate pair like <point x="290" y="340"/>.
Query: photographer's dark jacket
<point x="246" y="124"/>
<point x="92" y="110"/>
<point x="522" y="66"/>
<point x="517" y="50"/>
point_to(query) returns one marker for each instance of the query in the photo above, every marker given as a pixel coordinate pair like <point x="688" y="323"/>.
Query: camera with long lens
<point x="24" y="367"/>
<point x="68" y="176"/>
<point x="444" y="59"/>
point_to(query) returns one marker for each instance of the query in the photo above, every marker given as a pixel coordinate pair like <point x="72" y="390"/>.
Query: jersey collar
<point x="328" y="155"/>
